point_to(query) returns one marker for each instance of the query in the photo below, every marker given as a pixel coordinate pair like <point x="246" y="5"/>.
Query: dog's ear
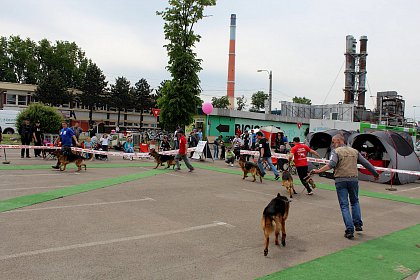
<point x="278" y="195"/>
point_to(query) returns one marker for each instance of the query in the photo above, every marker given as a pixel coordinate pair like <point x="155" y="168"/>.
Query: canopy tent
<point x="390" y="150"/>
<point x="269" y="131"/>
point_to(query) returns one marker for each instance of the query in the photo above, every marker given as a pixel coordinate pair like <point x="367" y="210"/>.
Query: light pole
<point x="414" y="117"/>
<point x="270" y="88"/>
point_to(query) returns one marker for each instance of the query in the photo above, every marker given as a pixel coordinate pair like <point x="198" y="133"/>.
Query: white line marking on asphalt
<point x="107" y="242"/>
<point x="80" y="205"/>
<point x="33" y="188"/>
<point x="23" y="175"/>
<point x="407" y="190"/>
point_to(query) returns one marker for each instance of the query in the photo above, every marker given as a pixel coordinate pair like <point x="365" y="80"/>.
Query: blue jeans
<point x="270" y="163"/>
<point x="216" y="151"/>
<point x="349" y="190"/>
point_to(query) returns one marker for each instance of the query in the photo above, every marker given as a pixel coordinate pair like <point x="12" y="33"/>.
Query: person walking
<point x="299" y="154"/>
<point x="344" y="161"/>
<point x="25" y="132"/>
<point x="265" y="155"/>
<point x="182" y="152"/>
<point x="66" y="136"/>
<point x="38" y="138"/>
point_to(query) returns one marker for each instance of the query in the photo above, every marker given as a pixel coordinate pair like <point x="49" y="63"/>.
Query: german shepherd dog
<point x="248" y="167"/>
<point x="67" y="157"/>
<point x="287" y="182"/>
<point x="308" y="179"/>
<point x="276" y="212"/>
<point x="161" y="159"/>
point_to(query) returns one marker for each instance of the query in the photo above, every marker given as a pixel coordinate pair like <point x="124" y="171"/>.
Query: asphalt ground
<point x="173" y="225"/>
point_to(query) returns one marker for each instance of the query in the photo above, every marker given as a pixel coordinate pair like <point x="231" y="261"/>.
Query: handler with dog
<point x="265" y="155"/>
<point x="298" y="153"/>
<point x="344" y="160"/>
<point x="67" y="137"/>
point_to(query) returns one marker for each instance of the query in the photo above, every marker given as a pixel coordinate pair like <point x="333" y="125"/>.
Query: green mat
<point x="70" y="166"/>
<point x="22" y="201"/>
<point x="323" y="186"/>
<point x="394" y="256"/>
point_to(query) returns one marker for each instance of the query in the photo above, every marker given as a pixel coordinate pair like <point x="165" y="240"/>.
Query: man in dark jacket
<point x="25" y="133"/>
<point x="38" y="137"/>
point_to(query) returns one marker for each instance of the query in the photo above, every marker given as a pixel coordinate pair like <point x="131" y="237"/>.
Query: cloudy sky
<point x="302" y="42"/>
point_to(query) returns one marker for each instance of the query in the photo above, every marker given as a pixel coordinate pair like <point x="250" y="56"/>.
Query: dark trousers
<point x="25" y="142"/>
<point x="38" y="151"/>
<point x="222" y="152"/>
<point x="303" y="172"/>
<point x="105" y="149"/>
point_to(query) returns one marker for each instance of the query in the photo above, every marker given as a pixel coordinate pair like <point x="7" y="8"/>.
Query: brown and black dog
<point x="249" y="167"/>
<point x="308" y="179"/>
<point x="287" y="182"/>
<point x="275" y="215"/>
<point x="68" y="157"/>
<point x="161" y="159"/>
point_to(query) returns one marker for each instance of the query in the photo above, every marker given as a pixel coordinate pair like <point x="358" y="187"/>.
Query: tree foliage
<point x="180" y="96"/>
<point x="25" y="61"/>
<point x="93" y="88"/>
<point x="49" y="117"/>
<point x="257" y="101"/>
<point x="222" y="102"/>
<point x="302" y="100"/>
<point x="241" y="103"/>
<point x="52" y="90"/>
<point x="120" y="95"/>
<point x="141" y="97"/>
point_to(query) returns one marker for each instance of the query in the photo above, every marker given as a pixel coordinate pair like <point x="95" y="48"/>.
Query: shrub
<point x="49" y="117"/>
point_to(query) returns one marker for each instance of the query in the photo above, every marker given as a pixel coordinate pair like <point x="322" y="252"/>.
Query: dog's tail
<point x="267" y="223"/>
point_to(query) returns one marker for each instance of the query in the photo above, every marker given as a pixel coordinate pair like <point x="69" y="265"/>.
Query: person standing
<point x="176" y="140"/>
<point x="236" y="144"/>
<point x="38" y="138"/>
<point x="344" y="161"/>
<point x="265" y="155"/>
<point x="216" y="144"/>
<point x="182" y="152"/>
<point x="165" y="145"/>
<point x="66" y="136"/>
<point x="299" y="154"/>
<point x="25" y="133"/>
<point x="200" y="135"/>
<point x="105" y="141"/>
<point x="77" y="130"/>
<point x="222" y="147"/>
<point x="246" y="143"/>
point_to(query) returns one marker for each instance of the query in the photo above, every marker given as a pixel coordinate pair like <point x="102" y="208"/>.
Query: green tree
<point x="141" y="97"/>
<point x="49" y="117"/>
<point x="93" y="88"/>
<point x="257" y="101"/>
<point x="241" y="103"/>
<point x="6" y="72"/>
<point x="301" y="100"/>
<point x="120" y="95"/>
<point x="22" y="60"/>
<point x="52" y="90"/>
<point x="180" y="97"/>
<point x="222" y="102"/>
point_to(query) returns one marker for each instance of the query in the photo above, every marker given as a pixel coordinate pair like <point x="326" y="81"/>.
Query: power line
<point x="336" y="77"/>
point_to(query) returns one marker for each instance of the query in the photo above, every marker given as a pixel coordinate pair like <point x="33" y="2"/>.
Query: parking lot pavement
<point x="175" y="225"/>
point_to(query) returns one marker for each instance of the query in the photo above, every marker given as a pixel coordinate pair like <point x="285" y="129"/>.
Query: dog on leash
<point x="287" y="182"/>
<point x="161" y="159"/>
<point x="68" y="157"/>
<point x="249" y="167"/>
<point x="308" y="179"/>
<point x="274" y="218"/>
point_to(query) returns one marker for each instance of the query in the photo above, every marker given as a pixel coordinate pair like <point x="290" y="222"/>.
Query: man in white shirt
<point x="105" y="140"/>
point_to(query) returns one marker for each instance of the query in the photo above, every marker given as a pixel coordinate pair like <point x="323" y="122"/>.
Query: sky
<point x="301" y="42"/>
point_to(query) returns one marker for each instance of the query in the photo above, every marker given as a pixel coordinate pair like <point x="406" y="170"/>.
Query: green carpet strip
<point x="323" y="186"/>
<point x="394" y="256"/>
<point x="70" y="166"/>
<point x="27" y="200"/>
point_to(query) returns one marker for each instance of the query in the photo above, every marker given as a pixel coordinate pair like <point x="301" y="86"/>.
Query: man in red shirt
<point x="298" y="153"/>
<point x="182" y="152"/>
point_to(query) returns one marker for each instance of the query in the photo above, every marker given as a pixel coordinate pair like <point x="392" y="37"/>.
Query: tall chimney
<point x="361" y="91"/>
<point x="350" y="69"/>
<point x="231" y="65"/>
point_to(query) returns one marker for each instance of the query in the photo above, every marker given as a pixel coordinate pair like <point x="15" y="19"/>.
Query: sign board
<point x="202" y="151"/>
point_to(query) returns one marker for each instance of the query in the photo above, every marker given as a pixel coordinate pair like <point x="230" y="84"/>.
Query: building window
<point x="22" y="100"/>
<point x="11" y="99"/>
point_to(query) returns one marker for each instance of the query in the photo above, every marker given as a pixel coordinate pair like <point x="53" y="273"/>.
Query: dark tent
<point x="390" y="150"/>
<point x="321" y="141"/>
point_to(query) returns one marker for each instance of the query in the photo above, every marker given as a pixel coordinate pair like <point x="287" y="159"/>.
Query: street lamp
<point x="270" y="88"/>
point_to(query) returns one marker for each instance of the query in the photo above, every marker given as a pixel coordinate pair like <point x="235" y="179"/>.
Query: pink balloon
<point x="207" y="108"/>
